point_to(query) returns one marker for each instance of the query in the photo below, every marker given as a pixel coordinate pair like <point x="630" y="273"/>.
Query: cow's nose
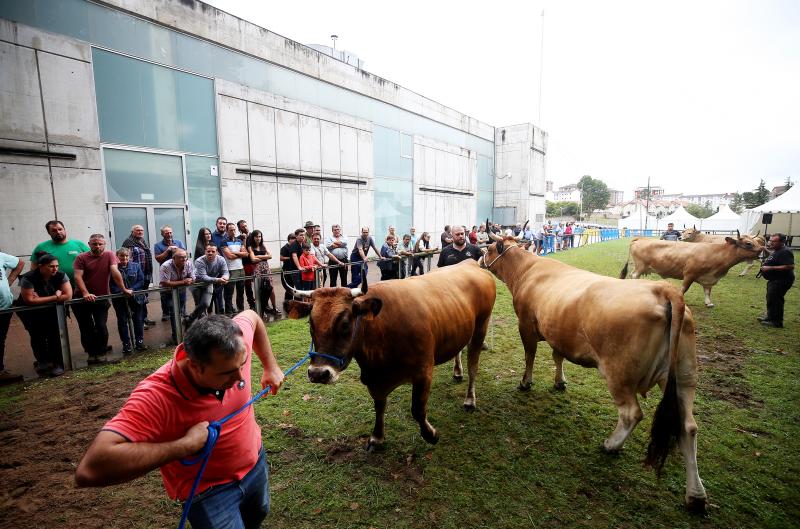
<point x="319" y="375"/>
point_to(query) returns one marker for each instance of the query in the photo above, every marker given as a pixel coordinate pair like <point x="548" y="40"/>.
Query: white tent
<point x="723" y="220"/>
<point x="785" y="215"/>
<point x="640" y="222"/>
<point x="681" y="218"/>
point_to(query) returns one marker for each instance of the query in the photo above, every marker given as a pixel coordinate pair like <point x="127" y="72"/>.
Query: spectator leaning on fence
<point x="129" y="308"/>
<point x="177" y="272"/>
<point x="140" y="252"/>
<point x="446" y="237"/>
<point x="308" y="265"/>
<point x="210" y="268"/>
<point x="260" y="256"/>
<point x="166" y="419"/>
<point x="482" y="235"/>
<point x="389" y="261"/>
<point x="288" y="267"/>
<point x="337" y="245"/>
<point x="10" y="268"/>
<point x="63" y="249"/>
<point x="324" y="256"/>
<point x="413" y="232"/>
<point x="44" y="285"/>
<point x="359" y="255"/>
<point x="93" y="270"/>
<point x="423" y="245"/>
<point x="233" y="251"/>
<point x="671" y="234"/>
<point x="247" y="264"/>
<point x="162" y="251"/>
<point x="405" y="250"/>
<point x="220" y="235"/>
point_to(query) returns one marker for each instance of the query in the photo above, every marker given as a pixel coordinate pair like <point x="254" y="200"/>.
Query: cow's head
<point x="335" y="319"/>
<point x="746" y="242"/>
<point x="496" y="251"/>
<point x="689" y="234"/>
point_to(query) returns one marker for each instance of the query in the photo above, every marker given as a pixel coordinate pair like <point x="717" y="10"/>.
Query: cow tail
<point x="668" y="419"/>
<point x="624" y="273"/>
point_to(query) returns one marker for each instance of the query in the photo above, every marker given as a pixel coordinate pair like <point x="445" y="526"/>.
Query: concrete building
<point x="161" y="112"/>
<point x="616" y="197"/>
<point x="714" y="200"/>
<point x="567" y="193"/>
<point x="655" y="192"/>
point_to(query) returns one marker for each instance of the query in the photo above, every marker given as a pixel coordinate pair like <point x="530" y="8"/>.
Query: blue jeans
<point x="237" y="505"/>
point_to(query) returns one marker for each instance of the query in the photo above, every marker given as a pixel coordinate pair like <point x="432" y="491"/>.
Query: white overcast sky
<point x="702" y="96"/>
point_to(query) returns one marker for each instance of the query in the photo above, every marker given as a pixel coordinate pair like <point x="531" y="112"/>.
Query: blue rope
<point x="213" y="434"/>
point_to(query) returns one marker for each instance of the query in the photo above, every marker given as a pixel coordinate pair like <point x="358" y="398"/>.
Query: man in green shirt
<point x="65" y="250"/>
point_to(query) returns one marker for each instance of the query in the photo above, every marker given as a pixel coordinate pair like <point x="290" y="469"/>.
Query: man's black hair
<point x="239" y="224"/>
<point x="222" y="218"/>
<point x="53" y="223"/>
<point x="215" y="333"/>
<point x="43" y="258"/>
<point x="299" y="231"/>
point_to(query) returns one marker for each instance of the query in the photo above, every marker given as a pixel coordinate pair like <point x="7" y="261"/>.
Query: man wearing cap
<point x="309" y="226"/>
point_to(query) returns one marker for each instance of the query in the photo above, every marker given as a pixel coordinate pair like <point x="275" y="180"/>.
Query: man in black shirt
<point x="459" y="251"/>
<point x="778" y="270"/>
<point x="288" y="253"/>
<point x="671" y="234"/>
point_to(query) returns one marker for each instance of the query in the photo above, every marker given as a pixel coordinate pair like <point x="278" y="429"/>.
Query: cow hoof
<point x="709" y="305"/>
<point x="696" y="505"/>
<point x="524" y="386"/>
<point x="374" y="446"/>
<point x="484" y="346"/>
<point x="609" y="451"/>
<point x="458" y="378"/>
<point x="469" y="406"/>
<point x="431" y="437"/>
<point x="560" y="386"/>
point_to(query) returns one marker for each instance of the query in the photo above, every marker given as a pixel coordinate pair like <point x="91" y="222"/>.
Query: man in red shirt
<point x="93" y="270"/>
<point x="166" y="418"/>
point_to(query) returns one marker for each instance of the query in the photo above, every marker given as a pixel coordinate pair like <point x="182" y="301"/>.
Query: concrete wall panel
<point x="236" y="200"/>
<point x="261" y="134"/>
<point x="265" y="210"/>
<point x="366" y="167"/>
<point x="312" y="204"/>
<point x="348" y="146"/>
<point x="331" y="209"/>
<point x="366" y="214"/>
<point x="310" y="138"/>
<point x="350" y="220"/>
<point x="287" y="136"/>
<point x="290" y="204"/>
<point x="80" y="201"/>
<point x="27" y="209"/>
<point x="330" y="152"/>
<point x="232" y="133"/>
<point x="69" y="101"/>
<point x="21" y="115"/>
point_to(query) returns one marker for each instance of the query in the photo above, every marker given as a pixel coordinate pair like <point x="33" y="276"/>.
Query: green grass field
<point x="533" y="459"/>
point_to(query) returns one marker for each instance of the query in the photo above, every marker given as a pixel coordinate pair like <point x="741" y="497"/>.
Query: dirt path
<point x="44" y="435"/>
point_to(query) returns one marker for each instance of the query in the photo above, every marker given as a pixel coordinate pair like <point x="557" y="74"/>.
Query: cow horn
<point x="526" y="224"/>
<point x="294" y="291"/>
<point x="494" y="237"/>
<point x="738" y="236"/>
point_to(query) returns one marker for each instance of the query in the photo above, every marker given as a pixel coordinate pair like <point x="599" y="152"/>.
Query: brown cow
<point x="694" y="235"/>
<point x="397" y="331"/>
<point x="637" y="333"/>
<point x="693" y="263"/>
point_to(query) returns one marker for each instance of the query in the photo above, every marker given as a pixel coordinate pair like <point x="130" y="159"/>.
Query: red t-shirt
<point x="166" y="404"/>
<point x="307" y="260"/>
<point x="96" y="271"/>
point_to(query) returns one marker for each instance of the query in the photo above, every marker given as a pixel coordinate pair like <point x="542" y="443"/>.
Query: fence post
<point x="257" y="294"/>
<point x="63" y="334"/>
<point x="176" y="314"/>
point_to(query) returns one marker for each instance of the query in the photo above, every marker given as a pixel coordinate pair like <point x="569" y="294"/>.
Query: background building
<point x="161" y="112"/>
<point x="641" y="192"/>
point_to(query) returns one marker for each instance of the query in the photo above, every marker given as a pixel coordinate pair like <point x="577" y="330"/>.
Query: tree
<point x="756" y="197"/>
<point x="701" y="212"/>
<point x="788" y="183"/>
<point x="737" y="204"/>
<point x="594" y="194"/>
<point x="563" y="208"/>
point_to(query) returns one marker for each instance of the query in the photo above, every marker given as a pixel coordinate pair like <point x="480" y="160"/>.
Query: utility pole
<point x="541" y="69"/>
<point x="647" y="204"/>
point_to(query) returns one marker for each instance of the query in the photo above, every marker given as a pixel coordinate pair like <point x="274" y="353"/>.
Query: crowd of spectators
<point x="62" y="269"/>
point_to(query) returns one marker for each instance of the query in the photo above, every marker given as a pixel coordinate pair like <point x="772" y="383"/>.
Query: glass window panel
<point x="392" y="206"/>
<point x="197" y="132"/>
<point x="133" y="176"/>
<point x="406" y="145"/>
<point x="160" y="106"/>
<point x="204" y="194"/>
<point x="386" y="154"/>
<point x="484" y="205"/>
<point x="119" y="105"/>
<point x="174" y="218"/>
<point x="125" y="218"/>
<point x="485" y="177"/>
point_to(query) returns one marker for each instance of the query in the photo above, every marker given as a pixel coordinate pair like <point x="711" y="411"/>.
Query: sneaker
<point x="140" y="346"/>
<point x="768" y="323"/>
<point x="150" y="322"/>
<point x="146" y="327"/>
<point x="126" y="349"/>
<point x="57" y="371"/>
<point x="164" y="318"/>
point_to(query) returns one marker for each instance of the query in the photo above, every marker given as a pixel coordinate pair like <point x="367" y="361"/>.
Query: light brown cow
<point x="694" y="235"/>
<point x="636" y="333"/>
<point x="704" y="264"/>
<point x="397" y="331"/>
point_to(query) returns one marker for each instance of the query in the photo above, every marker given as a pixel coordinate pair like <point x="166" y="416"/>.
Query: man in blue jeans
<point x="166" y="419"/>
